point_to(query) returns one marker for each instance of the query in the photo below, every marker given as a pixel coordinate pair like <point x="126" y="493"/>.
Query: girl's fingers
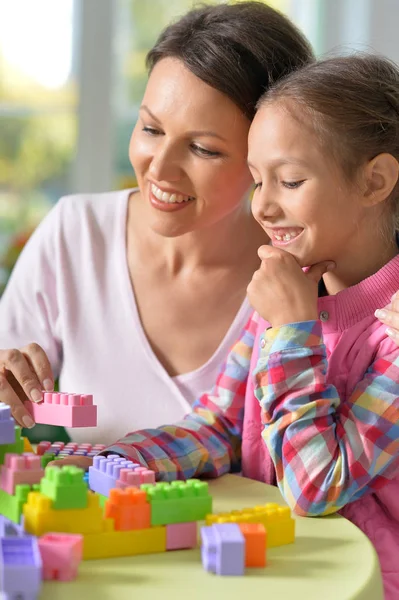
<point x="82" y="462"/>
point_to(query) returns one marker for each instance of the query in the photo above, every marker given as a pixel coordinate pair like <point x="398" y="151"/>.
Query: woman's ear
<point x="381" y="175"/>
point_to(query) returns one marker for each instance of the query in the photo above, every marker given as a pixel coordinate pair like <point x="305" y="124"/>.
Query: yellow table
<point x="330" y="560"/>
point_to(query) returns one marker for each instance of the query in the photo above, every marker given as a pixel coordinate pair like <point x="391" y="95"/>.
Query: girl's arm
<point x="326" y="453"/>
<point x="208" y="440"/>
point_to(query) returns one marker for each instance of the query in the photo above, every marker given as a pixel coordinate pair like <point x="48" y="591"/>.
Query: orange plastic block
<point x="279" y="524"/>
<point x="129" y="509"/>
<point x="255" y="544"/>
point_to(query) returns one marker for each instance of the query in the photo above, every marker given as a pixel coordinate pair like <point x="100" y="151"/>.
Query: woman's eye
<point x="151" y="130"/>
<point x="203" y="151"/>
<point x="293" y="185"/>
<point x="257" y="185"/>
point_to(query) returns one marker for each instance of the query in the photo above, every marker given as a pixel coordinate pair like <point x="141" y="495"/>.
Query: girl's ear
<point x="381" y="175"/>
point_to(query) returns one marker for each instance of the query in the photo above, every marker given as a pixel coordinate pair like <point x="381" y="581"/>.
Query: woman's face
<point x="189" y="152"/>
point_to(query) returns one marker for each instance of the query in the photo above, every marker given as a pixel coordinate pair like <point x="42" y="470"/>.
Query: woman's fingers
<point x="10" y="397"/>
<point x="40" y="366"/>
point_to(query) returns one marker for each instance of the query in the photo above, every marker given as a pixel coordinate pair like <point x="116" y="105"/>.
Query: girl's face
<point x="302" y="199"/>
<point x="189" y="152"/>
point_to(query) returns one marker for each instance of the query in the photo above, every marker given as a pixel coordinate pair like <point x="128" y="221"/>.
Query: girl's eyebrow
<point x="278" y="162"/>
<point x="195" y="133"/>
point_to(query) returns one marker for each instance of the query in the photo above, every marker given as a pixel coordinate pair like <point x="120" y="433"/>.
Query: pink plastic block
<point x="20" y="468"/>
<point x="181" y="536"/>
<point x="135" y="476"/>
<point x="61" y="554"/>
<point x="66" y="410"/>
<point x="42" y="447"/>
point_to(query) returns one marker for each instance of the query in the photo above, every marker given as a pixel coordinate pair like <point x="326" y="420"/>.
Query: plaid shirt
<point x="326" y="452"/>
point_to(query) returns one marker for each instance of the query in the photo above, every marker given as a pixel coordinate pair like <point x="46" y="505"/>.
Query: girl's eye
<point x="293" y="185"/>
<point x="257" y="185"/>
<point x="151" y="130"/>
<point x="203" y="151"/>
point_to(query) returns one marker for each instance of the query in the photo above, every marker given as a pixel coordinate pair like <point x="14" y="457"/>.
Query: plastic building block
<point x="181" y="536"/>
<point x="11" y="505"/>
<point x="61" y="450"/>
<point x="67" y="410"/>
<point x="178" y="501"/>
<point x="41" y="517"/>
<point x="65" y="487"/>
<point x="124" y="543"/>
<point x="223" y="549"/>
<point x="20" y="568"/>
<point x="279" y="524"/>
<point x="7" y="425"/>
<point x="255" y="544"/>
<point x="15" y="448"/>
<point x="10" y="529"/>
<point x="20" y="468"/>
<point x="27" y="446"/>
<point x="45" y="459"/>
<point x="105" y="472"/>
<point x="61" y="555"/>
<point x="129" y="509"/>
<point x="135" y="475"/>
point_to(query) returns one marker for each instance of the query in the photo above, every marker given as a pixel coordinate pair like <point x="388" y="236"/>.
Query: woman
<point x="136" y="296"/>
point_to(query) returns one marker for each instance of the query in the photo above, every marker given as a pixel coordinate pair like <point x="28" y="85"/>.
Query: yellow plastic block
<point x="279" y="524"/>
<point x="124" y="543"/>
<point x="41" y="517"/>
<point x="27" y="446"/>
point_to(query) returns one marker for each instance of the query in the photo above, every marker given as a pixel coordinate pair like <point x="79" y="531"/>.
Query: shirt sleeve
<point x="326" y="452"/>
<point x="208" y="441"/>
<point x="28" y="308"/>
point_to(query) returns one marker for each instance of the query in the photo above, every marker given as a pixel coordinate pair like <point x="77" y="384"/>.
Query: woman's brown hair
<point x="238" y="49"/>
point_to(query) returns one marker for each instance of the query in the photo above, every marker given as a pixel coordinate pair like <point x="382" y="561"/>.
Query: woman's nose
<point x="165" y="164"/>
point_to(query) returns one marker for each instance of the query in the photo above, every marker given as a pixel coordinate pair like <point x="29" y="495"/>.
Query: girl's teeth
<point x="278" y="237"/>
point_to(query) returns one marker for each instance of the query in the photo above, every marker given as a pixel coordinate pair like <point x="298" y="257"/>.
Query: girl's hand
<point x="24" y="374"/>
<point x="281" y="292"/>
<point x="390" y="317"/>
<point x="83" y="462"/>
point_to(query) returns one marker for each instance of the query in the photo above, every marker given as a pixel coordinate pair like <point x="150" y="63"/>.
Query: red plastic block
<point x="181" y="536"/>
<point x="135" y="477"/>
<point x="66" y="410"/>
<point x="255" y="544"/>
<point x="18" y="469"/>
<point x="61" y="554"/>
<point x="129" y="509"/>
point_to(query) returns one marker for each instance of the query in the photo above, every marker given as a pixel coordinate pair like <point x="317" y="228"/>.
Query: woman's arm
<point x="326" y="453"/>
<point x="208" y="441"/>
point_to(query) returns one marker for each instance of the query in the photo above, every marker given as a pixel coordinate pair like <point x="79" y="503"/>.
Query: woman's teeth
<point x="169" y="198"/>
<point x="287" y="236"/>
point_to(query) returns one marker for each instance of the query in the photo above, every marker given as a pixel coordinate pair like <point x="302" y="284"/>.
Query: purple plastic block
<point x="223" y="549"/>
<point x="7" y="425"/>
<point x="9" y="528"/>
<point x="104" y="473"/>
<point x="20" y="567"/>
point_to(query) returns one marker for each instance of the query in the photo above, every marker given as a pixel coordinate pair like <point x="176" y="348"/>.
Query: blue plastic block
<point x="20" y="568"/>
<point x="7" y="425"/>
<point x="223" y="549"/>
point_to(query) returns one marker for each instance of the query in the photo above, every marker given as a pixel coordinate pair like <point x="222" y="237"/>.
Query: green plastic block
<point x="103" y="500"/>
<point x="178" y="501"/>
<point x="46" y="458"/>
<point x="65" y="487"/>
<point x="11" y="506"/>
<point x="16" y="448"/>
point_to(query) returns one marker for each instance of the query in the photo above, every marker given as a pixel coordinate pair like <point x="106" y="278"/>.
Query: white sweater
<point x="70" y="292"/>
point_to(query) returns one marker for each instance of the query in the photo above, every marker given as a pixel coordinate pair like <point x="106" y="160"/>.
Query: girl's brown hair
<point x="351" y="103"/>
<point x="238" y="49"/>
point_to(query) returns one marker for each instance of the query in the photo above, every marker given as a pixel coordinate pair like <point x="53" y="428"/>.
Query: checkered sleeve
<point x="206" y="442"/>
<point x="326" y="452"/>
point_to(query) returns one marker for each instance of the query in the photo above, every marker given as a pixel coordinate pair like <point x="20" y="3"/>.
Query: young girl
<point x="309" y="396"/>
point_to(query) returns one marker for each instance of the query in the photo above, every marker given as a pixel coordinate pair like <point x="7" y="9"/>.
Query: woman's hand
<point x="281" y="292"/>
<point x="389" y="315"/>
<point x="24" y="374"/>
<point x="83" y="462"/>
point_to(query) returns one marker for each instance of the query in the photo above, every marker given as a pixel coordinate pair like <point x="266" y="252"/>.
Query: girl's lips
<point x="168" y="206"/>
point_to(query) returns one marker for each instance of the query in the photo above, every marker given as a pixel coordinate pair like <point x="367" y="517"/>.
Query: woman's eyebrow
<point x="195" y="133"/>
